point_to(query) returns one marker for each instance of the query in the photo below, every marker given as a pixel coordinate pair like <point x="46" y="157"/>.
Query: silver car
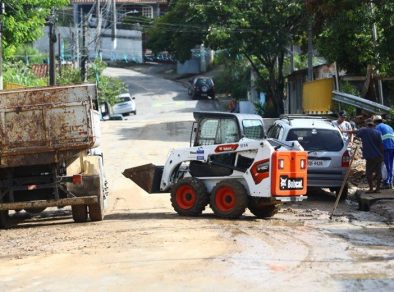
<point x="328" y="157"/>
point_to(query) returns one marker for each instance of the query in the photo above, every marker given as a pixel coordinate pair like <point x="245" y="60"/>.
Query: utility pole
<point x="84" y="54"/>
<point x="375" y="39"/>
<point x="310" y="50"/>
<point x="2" y="11"/>
<point x="60" y="53"/>
<point x="76" y="58"/>
<point x="98" y="27"/>
<point x="114" y="23"/>
<point x="52" y="41"/>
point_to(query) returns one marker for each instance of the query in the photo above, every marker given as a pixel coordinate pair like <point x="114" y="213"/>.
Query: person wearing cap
<point x="388" y="143"/>
<point x="372" y="148"/>
<point x="344" y="126"/>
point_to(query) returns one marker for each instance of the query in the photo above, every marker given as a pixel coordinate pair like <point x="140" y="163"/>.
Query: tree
<point x="259" y="30"/>
<point x="343" y="33"/>
<point x="24" y="20"/>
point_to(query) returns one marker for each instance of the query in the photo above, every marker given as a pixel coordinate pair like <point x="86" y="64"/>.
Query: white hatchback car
<point x="328" y="157"/>
<point x="125" y="105"/>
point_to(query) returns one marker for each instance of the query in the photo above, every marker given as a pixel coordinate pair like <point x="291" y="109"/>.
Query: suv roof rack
<point x="299" y="116"/>
<point x="290" y="117"/>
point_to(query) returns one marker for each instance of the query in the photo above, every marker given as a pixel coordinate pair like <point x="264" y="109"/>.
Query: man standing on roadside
<point x="345" y="127"/>
<point x="388" y="142"/>
<point x="372" y="153"/>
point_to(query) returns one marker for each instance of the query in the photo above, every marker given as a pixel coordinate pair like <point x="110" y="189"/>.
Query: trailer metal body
<point x="46" y="139"/>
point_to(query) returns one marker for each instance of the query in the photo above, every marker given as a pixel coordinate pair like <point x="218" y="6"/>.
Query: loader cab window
<point x="253" y="129"/>
<point x="217" y="131"/>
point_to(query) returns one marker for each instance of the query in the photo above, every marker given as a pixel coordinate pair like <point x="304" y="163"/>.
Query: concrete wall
<point x="127" y="45"/>
<point x="198" y="63"/>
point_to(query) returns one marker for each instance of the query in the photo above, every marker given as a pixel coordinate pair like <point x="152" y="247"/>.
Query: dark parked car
<point x="202" y="87"/>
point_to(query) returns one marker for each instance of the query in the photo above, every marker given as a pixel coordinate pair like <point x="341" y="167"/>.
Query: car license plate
<point x="287" y="183"/>
<point x="316" y="163"/>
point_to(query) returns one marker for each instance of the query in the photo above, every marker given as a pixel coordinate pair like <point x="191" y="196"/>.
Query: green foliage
<point x="27" y="54"/>
<point x="233" y="80"/>
<point x="343" y="33"/>
<point x="266" y="110"/>
<point x="21" y="74"/>
<point x="108" y="87"/>
<point x="69" y="76"/>
<point x="24" y="20"/>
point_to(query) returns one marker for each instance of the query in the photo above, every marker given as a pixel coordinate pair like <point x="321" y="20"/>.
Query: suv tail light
<point x="345" y="159"/>
<point x="303" y="164"/>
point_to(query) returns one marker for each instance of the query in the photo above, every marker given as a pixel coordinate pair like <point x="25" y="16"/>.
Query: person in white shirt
<point x="345" y="127"/>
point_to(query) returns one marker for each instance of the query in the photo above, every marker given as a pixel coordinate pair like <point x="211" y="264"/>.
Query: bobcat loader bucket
<point x="146" y="176"/>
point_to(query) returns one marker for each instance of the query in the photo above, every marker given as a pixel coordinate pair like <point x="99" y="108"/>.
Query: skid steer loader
<point x="229" y="165"/>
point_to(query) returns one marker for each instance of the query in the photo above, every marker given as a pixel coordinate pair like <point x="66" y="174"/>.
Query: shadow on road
<point x="169" y="216"/>
<point x="168" y="131"/>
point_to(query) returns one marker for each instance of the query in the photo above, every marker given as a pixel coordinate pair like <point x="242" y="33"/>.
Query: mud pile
<point x="357" y="173"/>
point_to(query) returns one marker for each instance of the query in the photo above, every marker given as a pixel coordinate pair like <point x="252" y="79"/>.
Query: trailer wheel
<point x="189" y="197"/>
<point x="4" y="219"/>
<point x="80" y="213"/>
<point x="96" y="211"/>
<point x="262" y="209"/>
<point x="229" y="199"/>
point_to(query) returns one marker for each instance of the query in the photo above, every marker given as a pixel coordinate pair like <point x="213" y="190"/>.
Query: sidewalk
<point x="382" y="204"/>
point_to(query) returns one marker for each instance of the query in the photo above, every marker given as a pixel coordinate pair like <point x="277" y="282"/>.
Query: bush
<point x="21" y="74"/>
<point x="234" y="79"/>
<point x="108" y="88"/>
<point x="266" y="110"/>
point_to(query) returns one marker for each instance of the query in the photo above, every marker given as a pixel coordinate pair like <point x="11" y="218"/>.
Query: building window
<point x="147" y="11"/>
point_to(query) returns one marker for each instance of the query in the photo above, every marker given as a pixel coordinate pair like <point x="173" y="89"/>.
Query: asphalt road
<point x="143" y="245"/>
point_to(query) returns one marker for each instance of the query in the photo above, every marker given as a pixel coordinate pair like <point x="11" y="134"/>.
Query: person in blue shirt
<point x="387" y="134"/>
<point x="373" y="154"/>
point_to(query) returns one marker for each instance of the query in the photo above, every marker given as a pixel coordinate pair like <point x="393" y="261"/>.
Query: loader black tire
<point x="189" y="197"/>
<point x="262" y="209"/>
<point x="4" y="219"/>
<point x="80" y="213"/>
<point x="229" y="199"/>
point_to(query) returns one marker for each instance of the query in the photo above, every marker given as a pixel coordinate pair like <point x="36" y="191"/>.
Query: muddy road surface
<point x="143" y="245"/>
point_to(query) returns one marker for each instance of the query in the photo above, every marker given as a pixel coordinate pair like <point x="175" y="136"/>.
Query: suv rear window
<point x="204" y="81"/>
<point x="123" y="99"/>
<point x="317" y="139"/>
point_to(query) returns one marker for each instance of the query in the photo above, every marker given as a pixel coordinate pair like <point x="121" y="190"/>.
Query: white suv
<point x="328" y="158"/>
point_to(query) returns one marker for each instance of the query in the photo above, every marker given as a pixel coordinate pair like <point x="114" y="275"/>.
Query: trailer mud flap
<point x="146" y="176"/>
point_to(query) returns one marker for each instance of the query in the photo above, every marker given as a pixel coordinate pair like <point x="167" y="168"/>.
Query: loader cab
<point x="211" y="128"/>
<point x="220" y="128"/>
